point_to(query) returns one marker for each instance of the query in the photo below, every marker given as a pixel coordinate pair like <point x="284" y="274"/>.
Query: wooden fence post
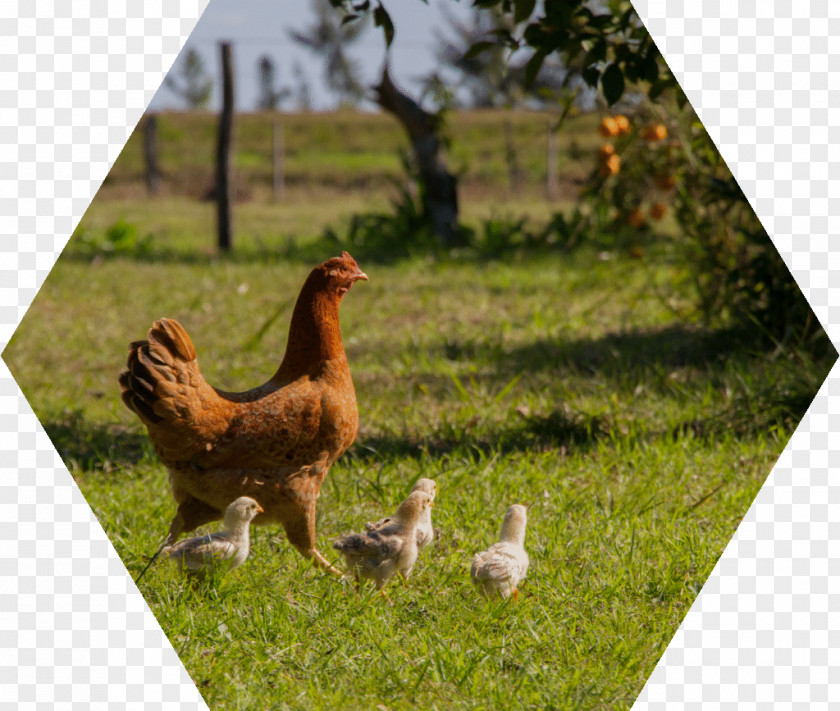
<point x="223" y="183"/>
<point x="551" y="162"/>
<point x="510" y="157"/>
<point x="279" y="160"/>
<point x="151" y="153"/>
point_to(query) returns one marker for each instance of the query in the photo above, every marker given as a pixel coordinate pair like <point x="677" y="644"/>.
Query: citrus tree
<point x="658" y="162"/>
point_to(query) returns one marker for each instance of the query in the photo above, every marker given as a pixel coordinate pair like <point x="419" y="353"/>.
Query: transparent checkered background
<point x="74" y="79"/>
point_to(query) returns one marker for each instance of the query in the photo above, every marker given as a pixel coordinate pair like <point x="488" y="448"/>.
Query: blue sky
<point x="260" y="27"/>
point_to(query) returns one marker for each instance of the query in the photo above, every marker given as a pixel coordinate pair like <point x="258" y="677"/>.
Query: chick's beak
<point x="260" y="509"/>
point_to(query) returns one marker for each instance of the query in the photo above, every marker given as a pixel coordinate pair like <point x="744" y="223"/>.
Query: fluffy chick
<point x="230" y="546"/>
<point x="425" y="531"/>
<point x="378" y="555"/>
<point x="498" y="571"/>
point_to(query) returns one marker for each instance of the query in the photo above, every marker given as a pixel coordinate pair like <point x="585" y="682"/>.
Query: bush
<point x="654" y="167"/>
<point x="120" y="238"/>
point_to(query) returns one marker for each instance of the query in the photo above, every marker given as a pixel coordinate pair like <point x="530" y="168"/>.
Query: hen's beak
<point x="260" y="509"/>
<point x="360" y="276"/>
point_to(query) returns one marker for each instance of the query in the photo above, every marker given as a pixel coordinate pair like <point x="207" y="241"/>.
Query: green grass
<point x="562" y="380"/>
<point x="555" y="380"/>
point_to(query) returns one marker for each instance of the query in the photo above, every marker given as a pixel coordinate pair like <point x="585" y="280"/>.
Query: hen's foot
<point x="322" y="562"/>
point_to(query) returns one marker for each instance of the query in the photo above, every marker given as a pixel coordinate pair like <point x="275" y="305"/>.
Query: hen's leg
<point x="191" y="514"/>
<point x="300" y="530"/>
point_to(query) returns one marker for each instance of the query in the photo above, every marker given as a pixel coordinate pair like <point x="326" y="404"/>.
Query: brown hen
<point x="274" y="443"/>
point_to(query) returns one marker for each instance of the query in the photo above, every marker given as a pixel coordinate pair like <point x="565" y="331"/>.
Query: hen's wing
<point x="276" y="426"/>
<point x="193" y="424"/>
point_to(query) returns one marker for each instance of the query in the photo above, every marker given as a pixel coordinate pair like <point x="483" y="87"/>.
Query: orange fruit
<point x="623" y="124"/>
<point x="657" y="211"/>
<point x="605" y="151"/>
<point x="636" y="218"/>
<point x="608" y="127"/>
<point x="655" y="132"/>
<point x="664" y="181"/>
<point x="610" y="166"/>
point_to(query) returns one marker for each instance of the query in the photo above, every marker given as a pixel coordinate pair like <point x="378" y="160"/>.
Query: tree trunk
<point x="150" y="152"/>
<point x="438" y="187"/>
<point x="223" y="183"/>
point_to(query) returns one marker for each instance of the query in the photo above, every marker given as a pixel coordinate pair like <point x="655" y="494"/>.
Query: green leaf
<point x="631" y="71"/>
<point x="597" y="53"/>
<point x="650" y="69"/>
<point x="612" y="83"/>
<point x="382" y="19"/>
<point x="591" y="75"/>
<point x="522" y="10"/>
<point x="532" y="68"/>
<point x="656" y="89"/>
<point x="478" y="48"/>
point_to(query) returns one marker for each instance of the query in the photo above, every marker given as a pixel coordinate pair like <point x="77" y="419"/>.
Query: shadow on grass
<point x="558" y="430"/>
<point x="96" y="447"/>
<point x="628" y="358"/>
<point x="778" y="400"/>
<point x="771" y="406"/>
<point x="616" y="354"/>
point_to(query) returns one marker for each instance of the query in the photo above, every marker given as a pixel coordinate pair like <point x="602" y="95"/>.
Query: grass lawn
<point x="562" y="380"/>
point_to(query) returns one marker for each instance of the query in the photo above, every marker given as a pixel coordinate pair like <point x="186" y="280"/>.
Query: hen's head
<point x="338" y="274"/>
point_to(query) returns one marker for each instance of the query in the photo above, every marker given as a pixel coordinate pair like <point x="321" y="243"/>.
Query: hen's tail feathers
<point x="156" y="370"/>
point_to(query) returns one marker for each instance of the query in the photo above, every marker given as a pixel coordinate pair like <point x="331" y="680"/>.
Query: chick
<point x="499" y="570"/>
<point x="425" y="532"/>
<point x="230" y="546"/>
<point x="378" y="555"/>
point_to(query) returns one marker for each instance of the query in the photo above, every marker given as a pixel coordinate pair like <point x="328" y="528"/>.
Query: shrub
<point x="658" y="167"/>
<point x="120" y="238"/>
